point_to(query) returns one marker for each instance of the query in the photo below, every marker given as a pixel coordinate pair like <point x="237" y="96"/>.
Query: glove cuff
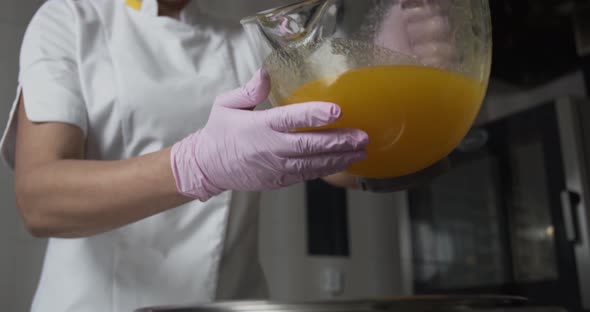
<point x="188" y="175"/>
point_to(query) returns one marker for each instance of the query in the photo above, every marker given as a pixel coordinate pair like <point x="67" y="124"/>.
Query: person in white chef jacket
<point x="137" y="154"/>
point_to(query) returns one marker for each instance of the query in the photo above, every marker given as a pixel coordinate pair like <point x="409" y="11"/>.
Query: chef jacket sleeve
<point x="48" y="78"/>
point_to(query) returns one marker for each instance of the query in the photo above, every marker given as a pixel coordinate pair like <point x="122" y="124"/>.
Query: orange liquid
<point x="415" y="116"/>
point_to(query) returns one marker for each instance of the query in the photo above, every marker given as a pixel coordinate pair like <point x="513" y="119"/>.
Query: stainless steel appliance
<point x="512" y="215"/>
<point x="410" y="304"/>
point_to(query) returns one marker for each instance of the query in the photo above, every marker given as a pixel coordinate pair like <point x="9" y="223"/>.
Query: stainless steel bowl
<point x="405" y="304"/>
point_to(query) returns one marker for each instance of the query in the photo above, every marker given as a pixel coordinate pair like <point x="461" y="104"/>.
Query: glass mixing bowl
<point x="411" y="73"/>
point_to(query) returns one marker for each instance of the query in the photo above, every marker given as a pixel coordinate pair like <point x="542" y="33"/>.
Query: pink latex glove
<point x="420" y="28"/>
<point x="244" y="150"/>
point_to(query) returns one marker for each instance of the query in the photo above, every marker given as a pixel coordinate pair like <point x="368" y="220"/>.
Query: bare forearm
<point x="73" y="198"/>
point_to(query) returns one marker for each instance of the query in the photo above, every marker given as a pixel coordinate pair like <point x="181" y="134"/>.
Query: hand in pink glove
<point x="421" y="29"/>
<point x="244" y="150"/>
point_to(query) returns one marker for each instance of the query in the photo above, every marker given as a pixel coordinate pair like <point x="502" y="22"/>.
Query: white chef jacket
<point x="135" y="83"/>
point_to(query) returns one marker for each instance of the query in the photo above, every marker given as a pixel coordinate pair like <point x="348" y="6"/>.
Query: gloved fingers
<point x="437" y="62"/>
<point x="419" y="10"/>
<point x="323" y="164"/>
<point x="304" y="144"/>
<point x="429" y="32"/>
<point x="304" y="169"/>
<point x="433" y="29"/>
<point x="247" y="97"/>
<point x="435" y="53"/>
<point x="304" y="115"/>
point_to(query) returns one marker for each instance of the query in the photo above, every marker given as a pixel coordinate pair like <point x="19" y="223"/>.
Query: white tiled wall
<point x="20" y="255"/>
